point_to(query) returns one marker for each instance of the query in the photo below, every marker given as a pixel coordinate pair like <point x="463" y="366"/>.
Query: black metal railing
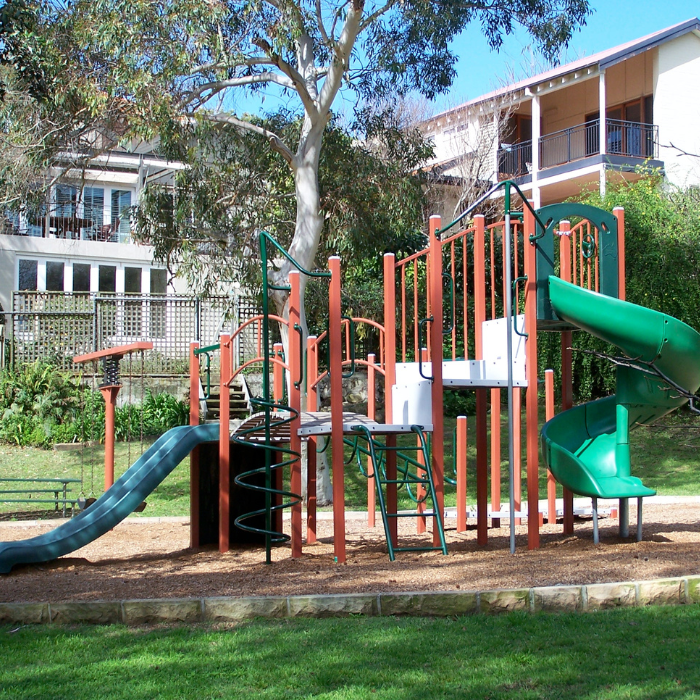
<point x="515" y="160"/>
<point x="623" y="138"/>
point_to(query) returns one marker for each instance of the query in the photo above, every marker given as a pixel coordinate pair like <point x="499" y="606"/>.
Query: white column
<point x="601" y="112"/>
<point x="94" y="278"/>
<point x="602" y="134"/>
<point x="119" y="281"/>
<point x="41" y="276"/>
<point x="68" y="276"/>
<point x="536" y="133"/>
<point x="496" y="142"/>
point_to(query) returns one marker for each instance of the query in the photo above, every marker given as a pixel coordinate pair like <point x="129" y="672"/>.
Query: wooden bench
<point x="39" y="487"/>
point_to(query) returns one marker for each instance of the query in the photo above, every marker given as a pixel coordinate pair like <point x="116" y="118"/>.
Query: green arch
<point x="551" y="216"/>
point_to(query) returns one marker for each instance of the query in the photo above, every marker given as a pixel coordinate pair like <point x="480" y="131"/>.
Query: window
<point x="158" y="308"/>
<point x="81" y="277"/>
<point x="108" y="279"/>
<point x="66" y="201"/>
<point x="132" y="309"/>
<point x="28" y="274"/>
<point x="121" y="206"/>
<point x="54" y="276"/>
<point x="132" y="280"/>
<point x="93" y="211"/>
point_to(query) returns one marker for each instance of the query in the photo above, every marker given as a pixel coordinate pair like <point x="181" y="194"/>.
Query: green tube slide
<point x="587" y="447"/>
<point x="115" y="504"/>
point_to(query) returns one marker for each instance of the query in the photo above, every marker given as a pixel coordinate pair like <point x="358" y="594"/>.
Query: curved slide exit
<point x="587" y="447"/>
<point x="115" y="504"/>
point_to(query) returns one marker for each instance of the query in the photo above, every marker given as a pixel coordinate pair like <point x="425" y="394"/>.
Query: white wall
<point x="677" y="107"/>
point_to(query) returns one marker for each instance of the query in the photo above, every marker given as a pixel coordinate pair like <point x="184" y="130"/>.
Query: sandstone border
<point x="584" y="598"/>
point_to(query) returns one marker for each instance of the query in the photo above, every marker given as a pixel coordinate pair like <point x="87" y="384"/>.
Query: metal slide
<point x="587" y="447"/>
<point x="115" y="504"/>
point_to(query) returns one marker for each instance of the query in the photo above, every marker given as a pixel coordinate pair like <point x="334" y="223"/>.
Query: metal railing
<point x="515" y="160"/>
<point x="632" y="139"/>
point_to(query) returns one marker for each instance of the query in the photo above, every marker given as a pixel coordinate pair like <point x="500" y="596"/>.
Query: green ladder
<point x="405" y="477"/>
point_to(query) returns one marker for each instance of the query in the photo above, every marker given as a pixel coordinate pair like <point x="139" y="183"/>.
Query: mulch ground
<point x="141" y="559"/>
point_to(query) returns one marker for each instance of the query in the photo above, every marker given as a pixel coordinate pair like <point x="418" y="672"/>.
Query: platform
<point x="314" y="423"/>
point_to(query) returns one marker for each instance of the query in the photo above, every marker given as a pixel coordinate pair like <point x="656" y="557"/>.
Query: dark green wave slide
<point x="587" y="447"/>
<point x="115" y="504"/>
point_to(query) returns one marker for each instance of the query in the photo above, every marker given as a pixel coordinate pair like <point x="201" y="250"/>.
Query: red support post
<point x="224" y="444"/>
<point x="532" y="437"/>
<point x="109" y="393"/>
<point x="549" y="414"/>
<point x="311" y="447"/>
<point x="481" y="402"/>
<point x="371" y="414"/>
<point x="517" y="451"/>
<point x="194" y="455"/>
<point x="389" y="333"/>
<point x="567" y="385"/>
<point x="295" y="379"/>
<point x="461" y="464"/>
<point x="335" y="340"/>
<point x="438" y="445"/>
<point x="496" y="455"/>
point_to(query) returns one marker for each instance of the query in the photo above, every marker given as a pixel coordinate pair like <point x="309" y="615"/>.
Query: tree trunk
<point x="303" y="249"/>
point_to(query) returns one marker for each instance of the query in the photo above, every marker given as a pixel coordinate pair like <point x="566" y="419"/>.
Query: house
<point x="80" y="241"/>
<point x="547" y="132"/>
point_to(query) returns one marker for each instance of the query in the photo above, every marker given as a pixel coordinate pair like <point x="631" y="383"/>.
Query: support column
<point x="296" y="372"/>
<point x="602" y="133"/>
<point x="567" y="385"/>
<point x="109" y="394"/>
<point x="532" y="439"/>
<point x="224" y="444"/>
<point x="481" y="402"/>
<point x="536" y="133"/>
<point x="336" y="368"/>
<point x="438" y="446"/>
<point x="194" y="455"/>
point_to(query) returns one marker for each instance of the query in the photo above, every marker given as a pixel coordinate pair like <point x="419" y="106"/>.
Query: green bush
<point x="662" y="256"/>
<point x="41" y="405"/>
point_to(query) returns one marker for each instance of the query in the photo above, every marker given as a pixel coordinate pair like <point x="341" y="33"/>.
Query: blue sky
<point x="481" y="70"/>
<point x="613" y="22"/>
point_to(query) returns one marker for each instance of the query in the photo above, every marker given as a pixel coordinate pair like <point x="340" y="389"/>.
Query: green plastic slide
<point x="115" y="504"/>
<point x="587" y="448"/>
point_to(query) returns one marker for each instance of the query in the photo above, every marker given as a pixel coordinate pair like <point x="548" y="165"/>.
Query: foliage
<point x="198" y="56"/>
<point x="371" y="198"/>
<point x="158" y="414"/>
<point x="662" y="242"/>
<point x="40" y="406"/>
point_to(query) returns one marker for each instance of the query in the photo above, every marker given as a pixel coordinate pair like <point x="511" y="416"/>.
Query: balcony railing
<point x="515" y="160"/>
<point x="623" y="138"/>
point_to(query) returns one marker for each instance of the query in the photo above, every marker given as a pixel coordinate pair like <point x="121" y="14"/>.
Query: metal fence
<point x="57" y="326"/>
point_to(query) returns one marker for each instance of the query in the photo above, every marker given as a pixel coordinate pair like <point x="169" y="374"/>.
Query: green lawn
<point x="641" y="654"/>
<point x="666" y="457"/>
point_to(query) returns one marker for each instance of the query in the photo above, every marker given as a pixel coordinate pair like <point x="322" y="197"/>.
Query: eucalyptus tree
<point x="188" y="59"/>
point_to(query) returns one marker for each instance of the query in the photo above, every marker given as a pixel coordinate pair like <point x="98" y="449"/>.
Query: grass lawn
<point x="666" y="457"/>
<point x="644" y="654"/>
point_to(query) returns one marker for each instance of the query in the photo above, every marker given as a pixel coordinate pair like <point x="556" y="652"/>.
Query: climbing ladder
<point x="393" y="469"/>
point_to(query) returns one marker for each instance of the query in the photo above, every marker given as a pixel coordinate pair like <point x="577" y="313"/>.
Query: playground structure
<point x="533" y="271"/>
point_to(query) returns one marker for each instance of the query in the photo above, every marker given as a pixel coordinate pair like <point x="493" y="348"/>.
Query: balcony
<point x="623" y="138"/>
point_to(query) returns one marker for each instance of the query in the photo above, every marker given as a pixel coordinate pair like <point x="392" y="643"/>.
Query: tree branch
<point x="219" y="85"/>
<point x="274" y="140"/>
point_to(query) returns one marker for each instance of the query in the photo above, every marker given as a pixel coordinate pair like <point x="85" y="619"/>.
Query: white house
<point x="547" y="132"/>
<point x="81" y="240"/>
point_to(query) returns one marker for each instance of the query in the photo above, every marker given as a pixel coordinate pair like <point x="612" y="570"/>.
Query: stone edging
<point x="595" y="596"/>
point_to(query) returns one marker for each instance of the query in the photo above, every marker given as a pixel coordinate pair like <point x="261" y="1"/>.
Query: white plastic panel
<point x="495" y="350"/>
<point x="411" y="403"/>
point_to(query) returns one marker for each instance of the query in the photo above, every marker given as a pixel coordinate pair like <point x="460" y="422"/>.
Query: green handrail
<point x="505" y="184"/>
